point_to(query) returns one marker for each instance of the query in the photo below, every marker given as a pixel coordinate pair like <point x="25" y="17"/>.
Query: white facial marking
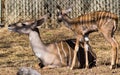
<point x="19" y="24"/>
<point x="26" y="23"/>
<point x="60" y="16"/>
<point x="69" y="9"/>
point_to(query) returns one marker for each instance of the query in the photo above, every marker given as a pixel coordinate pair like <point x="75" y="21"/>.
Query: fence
<point x="15" y="10"/>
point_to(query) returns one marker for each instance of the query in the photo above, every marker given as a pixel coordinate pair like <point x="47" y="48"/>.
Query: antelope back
<point x="98" y="17"/>
<point x="93" y="20"/>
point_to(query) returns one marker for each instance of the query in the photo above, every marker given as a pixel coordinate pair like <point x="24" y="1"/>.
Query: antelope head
<point x="62" y="12"/>
<point x="27" y="26"/>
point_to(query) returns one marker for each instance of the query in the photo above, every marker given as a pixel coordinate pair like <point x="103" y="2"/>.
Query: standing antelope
<point x="102" y="21"/>
<point x="52" y="55"/>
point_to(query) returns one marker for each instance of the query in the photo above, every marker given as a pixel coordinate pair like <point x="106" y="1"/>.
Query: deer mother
<point x="102" y="21"/>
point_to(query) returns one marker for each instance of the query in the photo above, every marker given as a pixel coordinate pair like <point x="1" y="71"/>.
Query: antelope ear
<point x="37" y="23"/>
<point x="67" y="10"/>
<point x="40" y="22"/>
<point x="42" y="19"/>
<point x="58" y="7"/>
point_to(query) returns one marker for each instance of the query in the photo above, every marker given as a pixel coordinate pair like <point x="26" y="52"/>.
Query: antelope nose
<point x="9" y="25"/>
<point x="2" y="25"/>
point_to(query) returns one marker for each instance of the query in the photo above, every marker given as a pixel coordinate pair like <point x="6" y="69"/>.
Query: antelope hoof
<point x="41" y="65"/>
<point x="50" y="67"/>
<point x="45" y="68"/>
<point x="113" y="66"/>
<point x="87" y="67"/>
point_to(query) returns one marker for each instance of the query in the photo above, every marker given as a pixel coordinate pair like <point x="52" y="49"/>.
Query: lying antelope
<point x="52" y="55"/>
<point x="102" y="21"/>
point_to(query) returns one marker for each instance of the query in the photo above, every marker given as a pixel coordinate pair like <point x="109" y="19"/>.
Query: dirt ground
<point x="15" y="52"/>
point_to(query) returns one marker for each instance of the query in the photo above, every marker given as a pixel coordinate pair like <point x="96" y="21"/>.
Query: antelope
<point x="99" y="21"/>
<point x="52" y="55"/>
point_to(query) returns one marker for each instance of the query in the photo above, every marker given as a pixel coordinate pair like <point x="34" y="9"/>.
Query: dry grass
<point x="15" y="52"/>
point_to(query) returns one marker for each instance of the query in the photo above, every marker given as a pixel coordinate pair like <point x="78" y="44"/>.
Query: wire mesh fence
<point x="15" y="10"/>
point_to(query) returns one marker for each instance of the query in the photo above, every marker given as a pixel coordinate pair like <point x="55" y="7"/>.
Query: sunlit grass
<point x="15" y="50"/>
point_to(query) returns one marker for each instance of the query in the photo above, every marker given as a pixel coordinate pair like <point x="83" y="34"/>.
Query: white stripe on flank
<point x="63" y="49"/>
<point x="59" y="52"/>
<point x="115" y="42"/>
<point x="70" y="58"/>
<point x="107" y="22"/>
<point x="86" y="47"/>
<point x="114" y="26"/>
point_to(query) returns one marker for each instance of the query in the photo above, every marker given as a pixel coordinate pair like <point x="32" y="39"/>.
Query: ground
<point x="15" y="52"/>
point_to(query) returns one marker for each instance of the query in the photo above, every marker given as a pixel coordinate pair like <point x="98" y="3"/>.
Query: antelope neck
<point x="36" y="43"/>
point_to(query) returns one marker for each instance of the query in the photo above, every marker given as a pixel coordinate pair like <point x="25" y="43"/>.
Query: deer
<point x="52" y="55"/>
<point x="104" y="22"/>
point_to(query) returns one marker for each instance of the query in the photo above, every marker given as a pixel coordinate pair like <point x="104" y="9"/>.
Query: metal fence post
<point x="119" y="8"/>
<point x="1" y="25"/>
<point x="0" y="11"/>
